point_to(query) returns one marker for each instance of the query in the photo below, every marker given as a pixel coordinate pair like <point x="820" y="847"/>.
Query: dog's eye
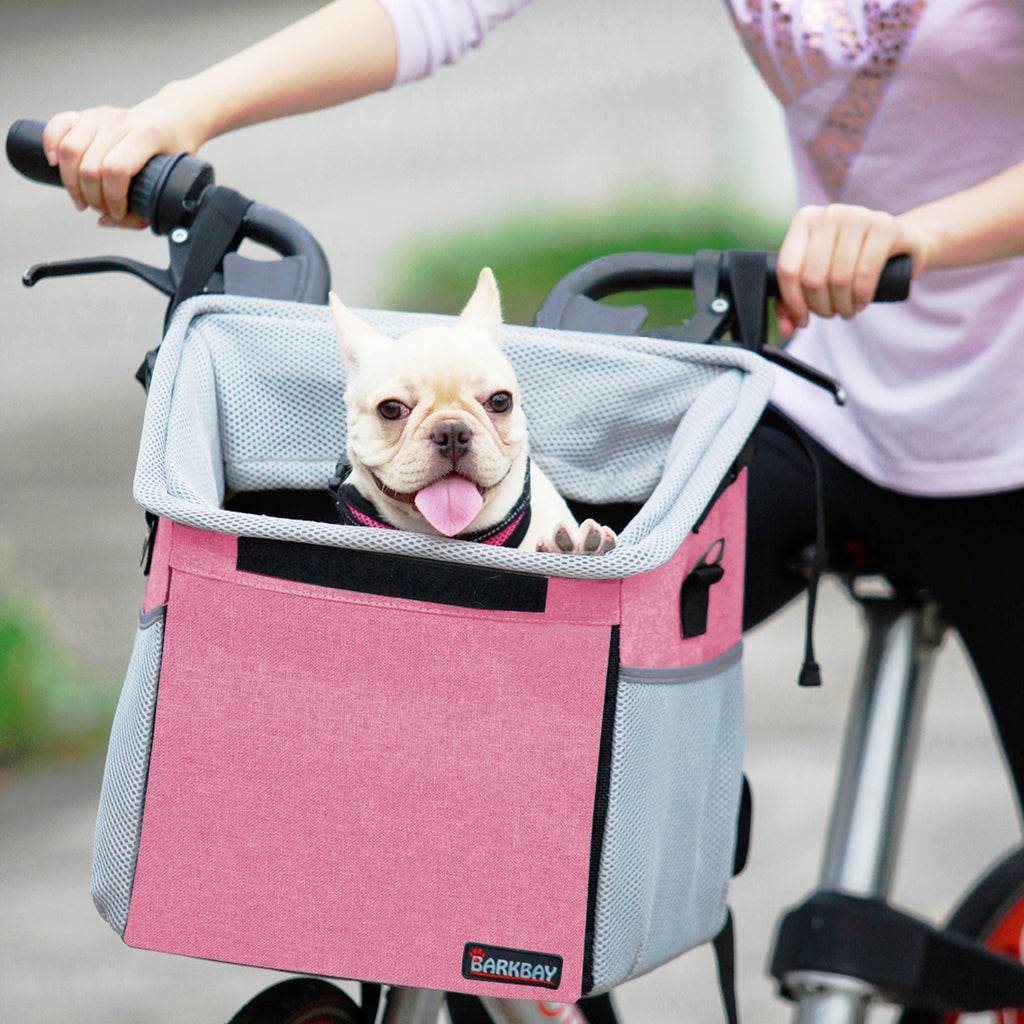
<point x="499" y="402"/>
<point x="392" y="409"/>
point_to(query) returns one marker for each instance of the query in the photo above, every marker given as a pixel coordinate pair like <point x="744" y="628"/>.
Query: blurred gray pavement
<point x="561" y="110"/>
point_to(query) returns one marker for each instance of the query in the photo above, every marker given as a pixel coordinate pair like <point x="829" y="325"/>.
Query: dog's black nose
<point x="453" y="437"/>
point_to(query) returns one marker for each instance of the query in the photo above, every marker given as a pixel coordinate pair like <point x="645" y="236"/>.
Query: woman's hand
<point x="99" y="151"/>
<point x="832" y="258"/>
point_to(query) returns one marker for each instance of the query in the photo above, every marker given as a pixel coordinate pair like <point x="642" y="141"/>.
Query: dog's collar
<point x="355" y="510"/>
<point x="405" y="497"/>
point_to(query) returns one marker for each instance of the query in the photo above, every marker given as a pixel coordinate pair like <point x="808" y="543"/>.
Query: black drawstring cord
<point x="810" y="672"/>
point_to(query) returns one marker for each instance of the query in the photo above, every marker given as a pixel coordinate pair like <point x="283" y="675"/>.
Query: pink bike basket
<point x="360" y="754"/>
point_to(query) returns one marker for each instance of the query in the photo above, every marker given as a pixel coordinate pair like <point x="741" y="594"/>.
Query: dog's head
<point x="436" y="433"/>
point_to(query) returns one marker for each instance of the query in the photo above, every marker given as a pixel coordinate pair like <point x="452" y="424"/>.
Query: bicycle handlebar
<point x="730" y="289"/>
<point x="164" y="193"/>
<point x="26" y="153"/>
<point x="168" y="193"/>
<point x="646" y="271"/>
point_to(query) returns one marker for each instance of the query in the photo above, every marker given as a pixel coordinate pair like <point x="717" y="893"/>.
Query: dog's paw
<point x="589" y="538"/>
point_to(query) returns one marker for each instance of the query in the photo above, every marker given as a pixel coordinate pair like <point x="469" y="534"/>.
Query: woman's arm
<point x="832" y="256"/>
<point x="342" y="51"/>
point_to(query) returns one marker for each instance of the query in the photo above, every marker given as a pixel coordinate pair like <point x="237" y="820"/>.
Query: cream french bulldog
<point x="437" y="439"/>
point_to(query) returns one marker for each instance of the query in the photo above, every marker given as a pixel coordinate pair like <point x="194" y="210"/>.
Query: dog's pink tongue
<point x="450" y="504"/>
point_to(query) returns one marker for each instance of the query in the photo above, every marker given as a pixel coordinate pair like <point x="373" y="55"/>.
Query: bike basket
<point x="375" y="755"/>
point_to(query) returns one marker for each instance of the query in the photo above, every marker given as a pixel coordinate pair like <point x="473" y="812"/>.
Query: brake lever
<point x="153" y="276"/>
<point x="163" y="279"/>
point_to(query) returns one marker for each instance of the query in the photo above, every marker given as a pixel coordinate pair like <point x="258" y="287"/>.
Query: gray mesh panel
<point x="119" y="821"/>
<point x="247" y="395"/>
<point x="671" y="826"/>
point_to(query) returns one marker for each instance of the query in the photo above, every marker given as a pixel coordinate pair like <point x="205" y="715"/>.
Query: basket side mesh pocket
<point x="119" y="820"/>
<point x="670" y="831"/>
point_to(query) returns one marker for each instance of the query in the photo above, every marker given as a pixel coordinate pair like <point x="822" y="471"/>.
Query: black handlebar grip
<point x="26" y="153"/>
<point x="893" y="283"/>
<point x="163" y="193"/>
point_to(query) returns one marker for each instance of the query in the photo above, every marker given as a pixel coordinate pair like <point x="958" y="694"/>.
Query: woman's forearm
<point x="340" y="52"/>
<point x="978" y="225"/>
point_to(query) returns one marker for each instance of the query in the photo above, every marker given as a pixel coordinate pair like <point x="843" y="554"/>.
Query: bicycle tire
<point x="993" y="913"/>
<point x="300" y="1001"/>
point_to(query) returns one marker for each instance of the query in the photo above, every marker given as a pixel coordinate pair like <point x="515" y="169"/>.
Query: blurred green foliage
<point x="49" y="705"/>
<point x="530" y="255"/>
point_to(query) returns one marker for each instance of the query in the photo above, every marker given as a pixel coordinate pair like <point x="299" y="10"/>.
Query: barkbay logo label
<point x="511" y="966"/>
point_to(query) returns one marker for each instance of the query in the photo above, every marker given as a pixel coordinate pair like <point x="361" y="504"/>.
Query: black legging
<point x="967" y="552"/>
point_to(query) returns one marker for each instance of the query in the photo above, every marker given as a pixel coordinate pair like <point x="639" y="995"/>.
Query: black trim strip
<point x="601" y="797"/>
<point x="415" y="579"/>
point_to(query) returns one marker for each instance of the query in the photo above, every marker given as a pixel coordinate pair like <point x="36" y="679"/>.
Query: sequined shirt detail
<point x="797" y="46"/>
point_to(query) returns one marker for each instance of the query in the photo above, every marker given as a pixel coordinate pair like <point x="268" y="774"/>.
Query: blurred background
<point x="576" y="129"/>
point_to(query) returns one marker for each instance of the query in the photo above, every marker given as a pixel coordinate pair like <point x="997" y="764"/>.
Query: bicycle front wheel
<point x="299" y="1001"/>
<point x="993" y="913"/>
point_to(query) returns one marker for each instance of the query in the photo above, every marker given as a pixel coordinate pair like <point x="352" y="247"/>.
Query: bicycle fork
<point x="870" y="797"/>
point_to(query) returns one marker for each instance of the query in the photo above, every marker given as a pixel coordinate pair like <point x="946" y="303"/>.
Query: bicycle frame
<point x="846" y="946"/>
<point x="868" y="807"/>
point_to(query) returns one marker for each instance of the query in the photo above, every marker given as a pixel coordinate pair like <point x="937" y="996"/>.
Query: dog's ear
<point x="484" y="307"/>
<point x="355" y="335"/>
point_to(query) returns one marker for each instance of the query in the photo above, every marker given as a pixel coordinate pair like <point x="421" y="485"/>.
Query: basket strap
<point x="215" y="233"/>
<point x="724" y="945"/>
